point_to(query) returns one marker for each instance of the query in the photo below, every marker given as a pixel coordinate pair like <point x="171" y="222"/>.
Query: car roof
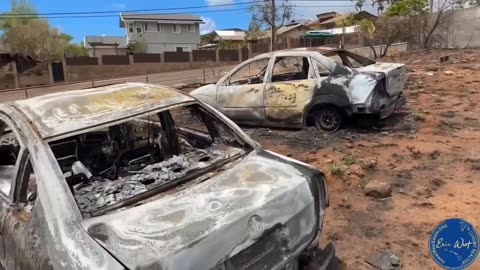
<point x="302" y="51"/>
<point x="72" y="111"/>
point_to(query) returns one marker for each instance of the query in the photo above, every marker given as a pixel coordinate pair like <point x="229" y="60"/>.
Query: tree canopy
<point x="32" y="37"/>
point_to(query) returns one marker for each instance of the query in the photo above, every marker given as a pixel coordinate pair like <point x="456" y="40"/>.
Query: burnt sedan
<point x="314" y="86"/>
<point x="137" y="176"/>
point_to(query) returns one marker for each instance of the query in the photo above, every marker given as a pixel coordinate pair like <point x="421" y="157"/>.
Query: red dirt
<point x="430" y="153"/>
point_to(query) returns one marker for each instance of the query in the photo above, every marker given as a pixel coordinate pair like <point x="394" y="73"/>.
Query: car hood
<point x="207" y="94"/>
<point x="218" y="221"/>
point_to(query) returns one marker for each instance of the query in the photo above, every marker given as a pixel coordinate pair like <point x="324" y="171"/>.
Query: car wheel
<point x="328" y="119"/>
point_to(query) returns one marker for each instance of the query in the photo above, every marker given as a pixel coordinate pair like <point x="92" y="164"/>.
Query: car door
<point x="240" y="95"/>
<point x="11" y="149"/>
<point x="291" y="83"/>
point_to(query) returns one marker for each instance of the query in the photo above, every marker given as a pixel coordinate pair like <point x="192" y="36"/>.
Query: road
<point x="173" y="79"/>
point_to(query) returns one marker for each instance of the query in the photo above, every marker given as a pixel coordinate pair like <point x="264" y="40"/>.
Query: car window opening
<point x="290" y="68"/>
<point x="350" y="59"/>
<point x="109" y="167"/>
<point x="9" y="150"/>
<point x="251" y="73"/>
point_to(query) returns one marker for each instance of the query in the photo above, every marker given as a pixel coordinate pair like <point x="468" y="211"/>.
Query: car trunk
<point x="257" y="212"/>
<point x="395" y="74"/>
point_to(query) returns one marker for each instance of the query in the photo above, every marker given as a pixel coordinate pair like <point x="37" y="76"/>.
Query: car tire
<point x="328" y="119"/>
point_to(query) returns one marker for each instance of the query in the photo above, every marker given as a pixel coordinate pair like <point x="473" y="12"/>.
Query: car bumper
<point x="386" y="109"/>
<point x="389" y="109"/>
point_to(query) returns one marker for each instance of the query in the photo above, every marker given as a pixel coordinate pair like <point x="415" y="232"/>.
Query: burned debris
<point x="101" y="192"/>
<point x="107" y="168"/>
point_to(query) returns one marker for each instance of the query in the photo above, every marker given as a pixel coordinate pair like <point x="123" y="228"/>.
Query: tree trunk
<point x="272" y="38"/>
<point x="373" y="49"/>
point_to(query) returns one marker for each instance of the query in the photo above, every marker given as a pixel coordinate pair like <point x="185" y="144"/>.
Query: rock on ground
<point x="378" y="189"/>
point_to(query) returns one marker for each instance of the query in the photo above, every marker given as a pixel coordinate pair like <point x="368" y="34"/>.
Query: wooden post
<point x="190" y="56"/>
<point x="65" y="70"/>
<point x="50" y="73"/>
<point x="217" y="55"/>
<point x="15" y="74"/>
<point x="272" y="38"/>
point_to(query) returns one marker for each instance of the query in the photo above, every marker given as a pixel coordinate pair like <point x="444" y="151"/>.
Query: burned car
<point x="306" y="86"/>
<point x="138" y="176"/>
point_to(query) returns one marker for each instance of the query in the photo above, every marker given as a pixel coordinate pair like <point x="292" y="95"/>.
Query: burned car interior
<point x="285" y="68"/>
<point x="9" y="150"/>
<point x="349" y="59"/>
<point x="290" y="68"/>
<point x="120" y="165"/>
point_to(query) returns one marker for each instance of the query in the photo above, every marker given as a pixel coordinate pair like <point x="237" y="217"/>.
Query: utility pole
<point x="273" y="35"/>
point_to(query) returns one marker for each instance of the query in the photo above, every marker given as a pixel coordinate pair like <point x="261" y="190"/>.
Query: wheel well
<point x="309" y="118"/>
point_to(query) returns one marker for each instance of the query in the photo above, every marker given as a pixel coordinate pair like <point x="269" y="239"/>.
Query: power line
<point x="126" y="11"/>
<point x="151" y="10"/>
<point x="116" y="16"/>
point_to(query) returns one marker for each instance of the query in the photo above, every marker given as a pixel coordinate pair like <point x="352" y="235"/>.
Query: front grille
<point x="263" y="254"/>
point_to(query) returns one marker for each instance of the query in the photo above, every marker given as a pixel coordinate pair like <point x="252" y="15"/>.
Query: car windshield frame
<point x="247" y="145"/>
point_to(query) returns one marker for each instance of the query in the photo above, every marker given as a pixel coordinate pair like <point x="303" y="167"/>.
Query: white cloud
<point x="119" y="6"/>
<point x="219" y="2"/>
<point x="208" y="26"/>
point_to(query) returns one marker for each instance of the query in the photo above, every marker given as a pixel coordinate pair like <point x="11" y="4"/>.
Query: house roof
<point x="230" y="35"/>
<point x="327" y="14"/>
<point x="160" y="18"/>
<point x="334" y="19"/>
<point x="285" y="29"/>
<point x="299" y="21"/>
<point x="91" y="41"/>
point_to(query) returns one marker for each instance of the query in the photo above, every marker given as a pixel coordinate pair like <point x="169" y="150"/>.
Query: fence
<point x="167" y="57"/>
<point x="203" y="75"/>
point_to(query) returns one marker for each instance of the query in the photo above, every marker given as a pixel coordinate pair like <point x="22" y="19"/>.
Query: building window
<point x="130" y="28"/>
<point x="139" y="29"/>
<point x="151" y="27"/>
<point x="190" y="27"/>
<point x="176" y="28"/>
<point x="183" y="49"/>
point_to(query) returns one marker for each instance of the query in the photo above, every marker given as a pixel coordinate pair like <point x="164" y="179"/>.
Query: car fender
<point x="207" y="94"/>
<point x="338" y="101"/>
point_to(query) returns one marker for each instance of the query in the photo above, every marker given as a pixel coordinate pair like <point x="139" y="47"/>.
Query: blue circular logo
<point x="454" y="244"/>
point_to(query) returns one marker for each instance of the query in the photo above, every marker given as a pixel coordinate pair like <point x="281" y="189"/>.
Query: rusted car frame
<point x="328" y="85"/>
<point x="137" y="176"/>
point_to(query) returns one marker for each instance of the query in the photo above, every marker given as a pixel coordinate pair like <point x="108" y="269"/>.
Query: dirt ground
<point x="429" y="152"/>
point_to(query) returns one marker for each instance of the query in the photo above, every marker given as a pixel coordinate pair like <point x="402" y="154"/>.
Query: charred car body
<point x="137" y="176"/>
<point x="314" y="86"/>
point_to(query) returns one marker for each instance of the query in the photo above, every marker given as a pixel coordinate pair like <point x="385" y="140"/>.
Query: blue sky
<point x="80" y="27"/>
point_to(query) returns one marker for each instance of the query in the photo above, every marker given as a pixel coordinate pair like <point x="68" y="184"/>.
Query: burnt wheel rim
<point x="327" y="120"/>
